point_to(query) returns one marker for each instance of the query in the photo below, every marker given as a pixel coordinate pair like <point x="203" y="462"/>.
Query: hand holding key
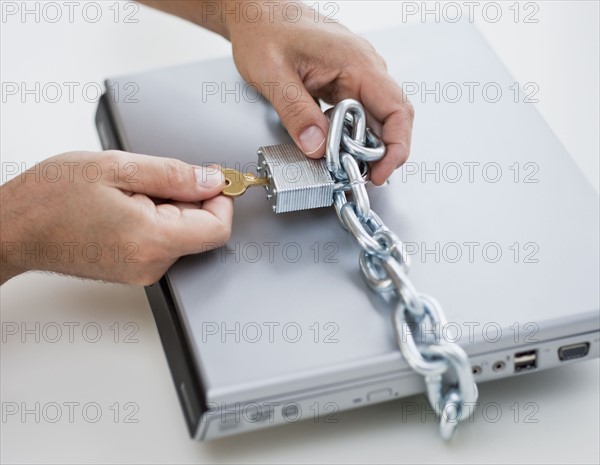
<point x="112" y="229"/>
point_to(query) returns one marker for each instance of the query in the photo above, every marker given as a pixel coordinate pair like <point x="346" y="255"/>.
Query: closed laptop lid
<point x="501" y="225"/>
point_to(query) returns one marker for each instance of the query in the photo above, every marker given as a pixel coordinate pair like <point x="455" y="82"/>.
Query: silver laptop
<point x="278" y="326"/>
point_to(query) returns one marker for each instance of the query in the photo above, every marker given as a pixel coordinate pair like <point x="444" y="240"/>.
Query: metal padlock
<point x="296" y="182"/>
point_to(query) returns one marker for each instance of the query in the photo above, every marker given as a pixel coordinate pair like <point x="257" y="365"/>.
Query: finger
<point x="220" y="207"/>
<point x="343" y="94"/>
<point x="373" y="123"/>
<point x="387" y="102"/>
<point x="165" y="178"/>
<point x="192" y="229"/>
<point x="299" y="113"/>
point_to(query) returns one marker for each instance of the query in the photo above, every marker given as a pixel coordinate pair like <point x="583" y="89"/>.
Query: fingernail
<point x="209" y="176"/>
<point x="311" y="139"/>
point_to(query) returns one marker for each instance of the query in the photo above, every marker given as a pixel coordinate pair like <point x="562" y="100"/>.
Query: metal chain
<point x="445" y="366"/>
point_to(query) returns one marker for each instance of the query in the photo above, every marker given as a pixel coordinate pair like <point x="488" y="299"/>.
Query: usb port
<point x="573" y="351"/>
<point x="525" y="360"/>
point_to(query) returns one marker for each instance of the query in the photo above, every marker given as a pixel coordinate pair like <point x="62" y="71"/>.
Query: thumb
<point x="168" y="178"/>
<point x="301" y="115"/>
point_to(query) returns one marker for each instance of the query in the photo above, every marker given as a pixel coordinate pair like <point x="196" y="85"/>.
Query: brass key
<point x="236" y="182"/>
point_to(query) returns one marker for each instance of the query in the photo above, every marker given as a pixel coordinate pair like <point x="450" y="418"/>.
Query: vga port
<point x="573" y="351"/>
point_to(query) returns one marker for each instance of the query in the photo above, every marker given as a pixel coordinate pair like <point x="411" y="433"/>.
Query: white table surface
<point x="546" y="417"/>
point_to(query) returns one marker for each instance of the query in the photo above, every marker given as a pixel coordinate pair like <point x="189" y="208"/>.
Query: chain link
<point x="445" y="366"/>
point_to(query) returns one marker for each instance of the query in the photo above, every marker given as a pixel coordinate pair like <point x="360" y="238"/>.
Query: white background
<point x="559" y="53"/>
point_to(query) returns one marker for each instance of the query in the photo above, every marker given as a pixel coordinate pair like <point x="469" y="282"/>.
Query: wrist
<point x="237" y="15"/>
<point x="212" y="16"/>
<point x="10" y="264"/>
<point x="7" y="269"/>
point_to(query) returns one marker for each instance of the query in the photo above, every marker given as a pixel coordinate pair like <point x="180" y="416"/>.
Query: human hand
<point x="294" y="55"/>
<point x="98" y="216"/>
<point x="311" y="59"/>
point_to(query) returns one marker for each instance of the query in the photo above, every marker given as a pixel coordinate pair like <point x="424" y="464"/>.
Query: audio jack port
<point x="499" y="365"/>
